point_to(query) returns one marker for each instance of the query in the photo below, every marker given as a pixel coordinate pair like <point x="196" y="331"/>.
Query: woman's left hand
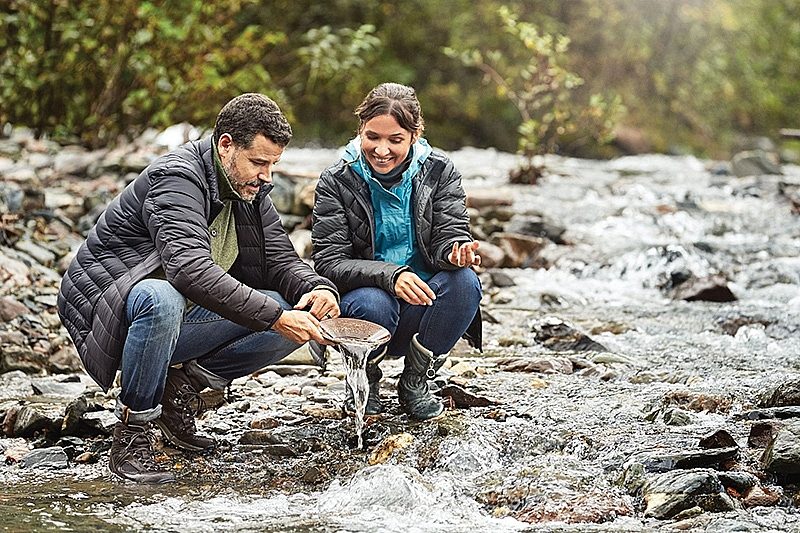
<point x="465" y="255"/>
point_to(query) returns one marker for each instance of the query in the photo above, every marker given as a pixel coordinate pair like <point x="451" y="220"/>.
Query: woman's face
<point x="385" y="143"/>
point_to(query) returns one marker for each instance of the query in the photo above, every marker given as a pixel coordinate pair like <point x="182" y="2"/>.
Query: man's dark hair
<point x="249" y="114"/>
<point x="399" y="101"/>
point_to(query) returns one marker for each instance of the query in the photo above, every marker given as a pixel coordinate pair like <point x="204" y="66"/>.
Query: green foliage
<point x="694" y="74"/>
<point x="529" y="71"/>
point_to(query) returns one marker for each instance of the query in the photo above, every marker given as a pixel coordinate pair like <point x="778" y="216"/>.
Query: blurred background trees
<point x="545" y="76"/>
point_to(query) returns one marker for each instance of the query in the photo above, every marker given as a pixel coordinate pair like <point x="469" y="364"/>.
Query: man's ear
<point x="225" y="143"/>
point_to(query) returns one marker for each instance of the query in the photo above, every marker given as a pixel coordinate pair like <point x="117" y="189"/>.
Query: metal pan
<point x="353" y="331"/>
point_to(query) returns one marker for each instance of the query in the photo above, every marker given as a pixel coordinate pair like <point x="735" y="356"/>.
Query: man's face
<point x="248" y="168"/>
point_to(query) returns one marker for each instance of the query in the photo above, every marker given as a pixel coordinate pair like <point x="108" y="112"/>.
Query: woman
<point x="391" y="230"/>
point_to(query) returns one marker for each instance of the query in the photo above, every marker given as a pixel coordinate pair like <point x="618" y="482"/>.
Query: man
<point x="190" y="266"/>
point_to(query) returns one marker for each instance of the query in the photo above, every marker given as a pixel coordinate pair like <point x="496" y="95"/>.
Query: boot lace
<point x="140" y="446"/>
<point x="192" y="404"/>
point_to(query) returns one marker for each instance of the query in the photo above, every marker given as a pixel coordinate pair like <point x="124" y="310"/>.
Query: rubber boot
<point x="374" y="405"/>
<point x="132" y="457"/>
<point x="415" y="397"/>
<point x="181" y="403"/>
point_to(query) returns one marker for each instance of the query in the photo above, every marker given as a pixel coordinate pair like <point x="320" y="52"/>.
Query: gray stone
<point x="782" y="456"/>
<point x="101" y="421"/>
<point x="784" y="394"/>
<point x="32" y="420"/>
<point x="42" y="255"/>
<point x="668" y="494"/>
<point x="754" y="163"/>
<point x="54" y="457"/>
<point x="10" y="308"/>
<point x="54" y="387"/>
<point x="559" y="335"/>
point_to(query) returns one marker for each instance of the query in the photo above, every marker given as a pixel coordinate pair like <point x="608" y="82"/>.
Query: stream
<point x="557" y="445"/>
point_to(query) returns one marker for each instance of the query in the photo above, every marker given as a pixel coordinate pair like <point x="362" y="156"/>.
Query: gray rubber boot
<point x="374" y="405"/>
<point x="415" y="397"/>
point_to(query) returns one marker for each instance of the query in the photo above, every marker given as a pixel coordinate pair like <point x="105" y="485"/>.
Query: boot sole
<point x="143" y="478"/>
<point x="176" y="441"/>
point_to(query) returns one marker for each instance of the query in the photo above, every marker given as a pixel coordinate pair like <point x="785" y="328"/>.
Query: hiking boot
<point x="374" y="405"/>
<point x="415" y="397"/>
<point x="180" y="404"/>
<point x="131" y="455"/>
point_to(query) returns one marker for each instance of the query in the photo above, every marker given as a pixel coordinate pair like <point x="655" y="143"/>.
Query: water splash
<point x="355" y="363"/>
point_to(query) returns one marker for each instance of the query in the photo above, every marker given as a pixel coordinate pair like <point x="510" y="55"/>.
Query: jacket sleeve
<point x="333" y="251"/>
<point x="450" y="222"/>
<point x="285" y="271"/>
<point x="173" y="213"/>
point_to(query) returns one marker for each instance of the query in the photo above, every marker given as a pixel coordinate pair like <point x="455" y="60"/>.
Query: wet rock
<point x="782" y="395"/>
<point x="301" y="240"/>
<point x="544" y="366"/>
<point x="492" y="256"/>
<point x="536" y="227"/>
<point x="22" y="358"/>
<point x="521" y="251"/>
<point x="14" y="450"/>
<point x="258" y="438"/>
<point x="671" y="416"/>
<point x="658" y="462"/>
<point x="328" y="413"/>
<point x="389" y="446"/>
<point x="15" y="384"/>
<point x="698" y="401"/>
<point x="666" y="495"/>
<point x="483" y="198"/>
<point x="741" y="482"/>
<point x="10" y="308"/>
<point x="54" y="457"/>
<point x="791" y="411"/>
<point x="709" y="289"/>
<point x="101" y="422"/>
<point x="31" y="420"/>
<point x="265" y="423"/>
<point x="42" y="255"/>
<point x="463" y="399"/>
<point x="58" y="388"/>
<point x="754" y="163"/>
<point x="559" y="335"/>
<point x="762" y="433"/>
<point x="718" y="439"/>
<point x="759" y="496"/>
<point x="500" y="278"/>
<point x="782" y="456"/>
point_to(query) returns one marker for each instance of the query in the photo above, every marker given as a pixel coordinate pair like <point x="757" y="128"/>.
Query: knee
<point x="158" y="299"/>
<point x="371" y="303"/>
<point x="464" y="282"/>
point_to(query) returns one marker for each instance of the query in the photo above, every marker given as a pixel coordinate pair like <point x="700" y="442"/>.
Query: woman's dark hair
<point x="249" y="114"/>
<point x="399" y="101"/>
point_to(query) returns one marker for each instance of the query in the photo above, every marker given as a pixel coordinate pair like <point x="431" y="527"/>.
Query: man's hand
<point x="413" y="290"/>
<point x="465" y="255"/>
<point x="299" y="326"/>
<point x="323" y="304"/>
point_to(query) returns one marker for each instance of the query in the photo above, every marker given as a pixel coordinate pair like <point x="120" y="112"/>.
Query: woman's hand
<point x="465" y="255"/>
<point x="413" y="290"/>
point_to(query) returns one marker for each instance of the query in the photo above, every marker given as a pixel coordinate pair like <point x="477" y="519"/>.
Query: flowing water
<point x="354" y="355"/>
<point x="552" y="454"/>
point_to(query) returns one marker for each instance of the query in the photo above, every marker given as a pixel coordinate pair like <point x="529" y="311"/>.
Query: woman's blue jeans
<point x="162" y="333"/>
<point x="458" y="295"/>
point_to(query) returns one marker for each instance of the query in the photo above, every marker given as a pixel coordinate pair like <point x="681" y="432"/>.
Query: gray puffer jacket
<point x="161" y="220"/>
<point x="343" y="231"/>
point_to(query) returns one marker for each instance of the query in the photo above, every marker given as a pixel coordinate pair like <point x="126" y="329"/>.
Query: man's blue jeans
<point x="162" y="333"/>
<point x="458" y="294"/>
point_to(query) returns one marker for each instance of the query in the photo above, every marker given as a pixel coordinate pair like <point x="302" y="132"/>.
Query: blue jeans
<point x="162" y="333"/>
<point x="458" y="294"/>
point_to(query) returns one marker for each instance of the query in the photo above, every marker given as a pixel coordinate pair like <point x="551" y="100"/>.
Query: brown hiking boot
<point x="131" y="455"/>
<point x="180" y="404"/>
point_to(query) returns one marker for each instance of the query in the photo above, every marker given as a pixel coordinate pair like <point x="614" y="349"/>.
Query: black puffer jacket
<point x="161" y="220"/>
<point x="343" y="230"/>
